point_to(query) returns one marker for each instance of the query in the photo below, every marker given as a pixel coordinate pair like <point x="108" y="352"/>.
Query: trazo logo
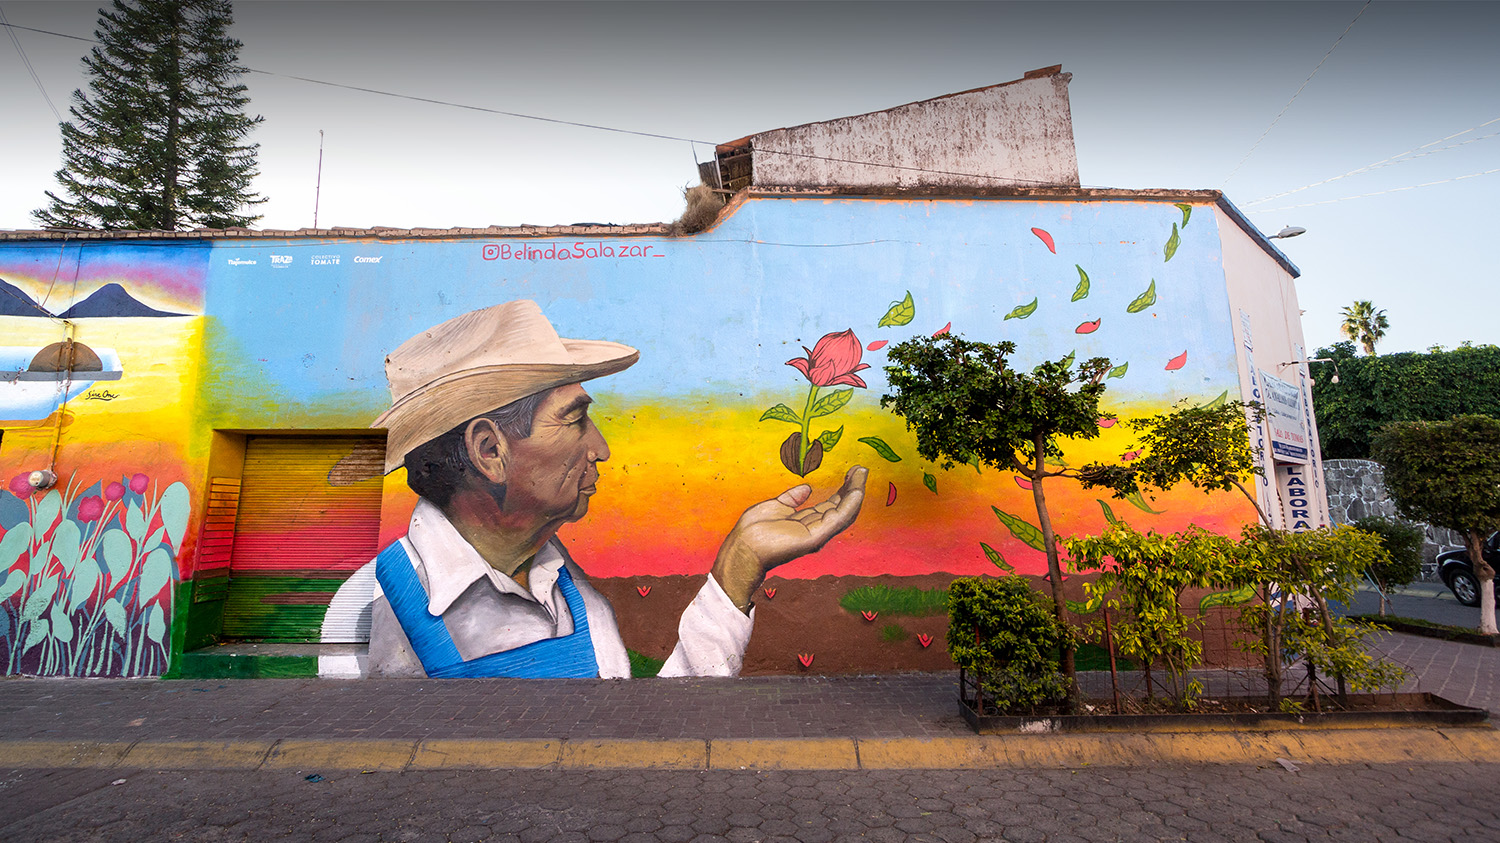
<point x="324" y="260"/>
<point x="281" y="261"/>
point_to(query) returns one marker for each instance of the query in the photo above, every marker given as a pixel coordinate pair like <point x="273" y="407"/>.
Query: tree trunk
<point x="1486" y="576"/>
<point x="1054" y="569"/>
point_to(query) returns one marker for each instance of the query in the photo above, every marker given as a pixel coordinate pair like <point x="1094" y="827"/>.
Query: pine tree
<point x="160" y="140"/>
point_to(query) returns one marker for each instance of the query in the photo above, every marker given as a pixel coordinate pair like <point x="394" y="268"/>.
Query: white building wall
<point x="1268" y="335"/>
<point x="1016" y="133"/>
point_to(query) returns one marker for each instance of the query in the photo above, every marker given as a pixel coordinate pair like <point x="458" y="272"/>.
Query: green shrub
<point x="1000" y="631"/>
<point x="1404" y="544"/>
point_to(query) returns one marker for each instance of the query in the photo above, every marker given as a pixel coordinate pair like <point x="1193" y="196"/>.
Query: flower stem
<point x="802" y="447"/>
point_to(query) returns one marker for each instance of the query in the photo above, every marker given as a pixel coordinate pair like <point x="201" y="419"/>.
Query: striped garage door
<point x="309" y="516"/>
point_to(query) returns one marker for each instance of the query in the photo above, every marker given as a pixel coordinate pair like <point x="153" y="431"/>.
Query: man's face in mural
<point x="551" y="474"/>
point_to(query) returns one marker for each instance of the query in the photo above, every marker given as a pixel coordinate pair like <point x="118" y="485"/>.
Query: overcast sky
<point x="1167" y="95"/>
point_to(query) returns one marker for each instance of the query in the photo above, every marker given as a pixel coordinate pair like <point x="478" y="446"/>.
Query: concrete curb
<point x="1344" y="746"/>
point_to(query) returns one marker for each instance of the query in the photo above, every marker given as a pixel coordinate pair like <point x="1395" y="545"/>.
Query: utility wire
<point x="596" y="126"/>
<point x="11" y="31"/>
<point x="1378" y="192"/>
<point x="1299" y="91"/>
<point x="1409" y="155"/>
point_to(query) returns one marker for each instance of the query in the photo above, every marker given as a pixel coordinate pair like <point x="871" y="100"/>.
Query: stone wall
<point x="1356" y="488"/>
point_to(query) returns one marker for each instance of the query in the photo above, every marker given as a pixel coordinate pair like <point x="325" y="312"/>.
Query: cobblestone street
<point x="1203" y="804"/>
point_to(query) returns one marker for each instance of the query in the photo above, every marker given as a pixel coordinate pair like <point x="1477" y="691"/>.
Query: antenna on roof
<point x="318" y="191"/>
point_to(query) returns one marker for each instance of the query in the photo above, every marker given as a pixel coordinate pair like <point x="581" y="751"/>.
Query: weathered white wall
<point x="1263" y="296"/>
<point x="1020" y="132"/>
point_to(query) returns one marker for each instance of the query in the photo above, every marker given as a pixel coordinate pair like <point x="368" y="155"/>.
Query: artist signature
<point x="100" y="395"/>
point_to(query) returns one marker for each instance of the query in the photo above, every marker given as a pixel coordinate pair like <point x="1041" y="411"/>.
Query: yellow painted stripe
<point x="341" y="755"/>
<point x="784" y="754"/>
<point x="1053" y="751"/>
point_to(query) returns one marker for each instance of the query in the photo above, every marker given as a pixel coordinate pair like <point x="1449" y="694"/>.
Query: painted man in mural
<point x="490" y="419"/>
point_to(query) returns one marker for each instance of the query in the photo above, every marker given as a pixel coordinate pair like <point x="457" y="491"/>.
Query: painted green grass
<point x="897" y="602"/>
<point x="643" y="666"/>
<point x="1094" y="657"/>
<point x="894" y="632"/>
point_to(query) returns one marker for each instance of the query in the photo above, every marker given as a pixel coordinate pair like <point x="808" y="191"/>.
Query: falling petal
<point x="890" y="495"/>
<point x="876" y="345"/>
<point x="1045" y="238"/>
<point x="1104" y="422"/>
<point x="1023" y="482"/>
<point x="943" y="330"/>
<point x="1177" y="362"/>
<point x="1088" y="327"/>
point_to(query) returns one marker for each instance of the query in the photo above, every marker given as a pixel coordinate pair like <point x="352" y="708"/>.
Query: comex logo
<point x="361" y="259"/>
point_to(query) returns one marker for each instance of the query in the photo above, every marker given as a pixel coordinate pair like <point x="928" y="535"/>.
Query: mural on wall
<point x="491" y="422"/>
<point x="99" y="357"/>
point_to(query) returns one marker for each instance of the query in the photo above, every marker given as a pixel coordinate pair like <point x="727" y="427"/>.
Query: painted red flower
<point x="138" y="483"/>
<point x="114" y="492"/>
<point x="833" y="361"/>
<point x="20" y="485"/>
<point x="90" y="508"/>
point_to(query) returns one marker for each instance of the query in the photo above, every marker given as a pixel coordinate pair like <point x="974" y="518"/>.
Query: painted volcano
<point x="112" y="300"/>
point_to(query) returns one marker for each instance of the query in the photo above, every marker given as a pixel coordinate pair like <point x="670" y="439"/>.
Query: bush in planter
<point x="1000" y="631"/>
<point x="1403" y="542"/>
<point x="1141" y="579"/>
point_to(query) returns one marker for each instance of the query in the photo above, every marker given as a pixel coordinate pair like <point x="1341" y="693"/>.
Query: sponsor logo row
<point x="284" y="261"/>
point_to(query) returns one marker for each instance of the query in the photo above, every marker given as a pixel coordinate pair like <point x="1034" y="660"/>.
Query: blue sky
<point x="1163" y="95"/>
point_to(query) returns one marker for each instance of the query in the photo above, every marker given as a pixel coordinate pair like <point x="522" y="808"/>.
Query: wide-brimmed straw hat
<point x="479" y="362"/>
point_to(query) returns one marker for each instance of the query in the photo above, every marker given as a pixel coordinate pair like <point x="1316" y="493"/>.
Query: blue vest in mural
<point x="569" y="656"/>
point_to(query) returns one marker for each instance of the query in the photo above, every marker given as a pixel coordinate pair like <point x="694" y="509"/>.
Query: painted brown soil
<point x="804" y="617"/>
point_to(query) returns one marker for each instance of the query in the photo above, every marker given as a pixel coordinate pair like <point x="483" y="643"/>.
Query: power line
<point x="11" y="31"/>
<point x="1378" y="192"/>
<point x="1409" y="155"/>
<point x="596" y="126"/>
<point x="1299" y="91"/>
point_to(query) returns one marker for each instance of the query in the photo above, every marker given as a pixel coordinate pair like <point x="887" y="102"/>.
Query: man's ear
<point x="487" y="448"/>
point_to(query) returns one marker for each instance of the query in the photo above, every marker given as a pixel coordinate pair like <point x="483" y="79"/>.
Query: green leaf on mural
<point x="1021" y="529"/>
<point x="900" y="313"/>
<point x="1082" y="291"/>
<point x="829" y="438"/>
<point x="781" y="412"/>
<point x="62" y="627"/>
<point x="156" y="627"/>
<point x="1217" y="402"/>
<point x="14" y="543"/>
<point x="135" y="522"/>
<point x="1088" y="607"/>
<point x="47" y="510"/>
<point x="1187" y="211"/>
<point x="37" y="635"/>
<point x="1068" y="361"/>
<point x="85" y="577"/>
<point x="999" y="561"/>
<point x="974" y="461"/>
<point x="830" y="403"/>
<point x="12" y="585"/>
<point x="881" y="448"/>
<point x="39" y="599"/>
<point x="118" y="557"/>
<point x="115" y="614"/>
<point x="1120" y="370"/>
<point x="1172" y="243"/>
<point x="154" y="574"/>
<point x="930" y="482"/>
<point x="1109" y="514"/>
<point x="67" y="542"/>
<point x="1022" y="311"/>
<point x="1140" y="503"/>
<point x="1144" y="300"/>
<point x="1227" y="598"/>
<point x="175" y="508"/>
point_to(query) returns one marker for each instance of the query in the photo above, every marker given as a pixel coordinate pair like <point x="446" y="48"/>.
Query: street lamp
<point x="1289" y="231"/>
<point x="1334" y="379"/>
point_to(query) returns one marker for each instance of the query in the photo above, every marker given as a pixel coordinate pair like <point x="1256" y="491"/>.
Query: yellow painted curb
<point x="61" y="754"/>
<point x="929" y="754"/>
<point x="1477" y="745"/>
<point x="783" y="754"/>
<point x="197" y="755"/>
<point x="635" y="754"/>
<point x="485" y="754"/>
<point x="341" y="755"/>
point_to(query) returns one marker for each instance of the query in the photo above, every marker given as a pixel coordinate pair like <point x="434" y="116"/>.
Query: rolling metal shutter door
<point x="309" y="516"/>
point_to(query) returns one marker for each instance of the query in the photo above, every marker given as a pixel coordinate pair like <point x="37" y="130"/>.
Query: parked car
<point x="1458" y="574"/>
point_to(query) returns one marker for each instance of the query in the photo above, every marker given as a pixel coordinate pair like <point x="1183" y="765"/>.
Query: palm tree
<point x="1365" y="325"/>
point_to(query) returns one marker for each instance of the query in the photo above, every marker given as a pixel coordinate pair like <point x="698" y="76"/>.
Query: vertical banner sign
<point x="1297" y="505"/>
<point x="1289" y="439"/>
<point x="1257" y="431"/>
<point x="1315" y="459"/>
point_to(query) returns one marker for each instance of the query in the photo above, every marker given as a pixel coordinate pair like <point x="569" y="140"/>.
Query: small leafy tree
<point x="1206" y="446"/>
<point x="160" y="140"/>
<point x="1143" y="575"/>
<point x="1403" y="544"/>
<point x="967" y="405"/>
<point x="1295" y="575"/>
<point x="1000" y="633"/>
<point x="1448" y="474"/>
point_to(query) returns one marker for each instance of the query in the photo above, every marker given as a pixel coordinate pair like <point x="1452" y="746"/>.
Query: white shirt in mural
<point x="487" y="612"/>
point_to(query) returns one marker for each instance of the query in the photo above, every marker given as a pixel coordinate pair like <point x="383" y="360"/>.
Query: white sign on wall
<point x="1289" y="439"/>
